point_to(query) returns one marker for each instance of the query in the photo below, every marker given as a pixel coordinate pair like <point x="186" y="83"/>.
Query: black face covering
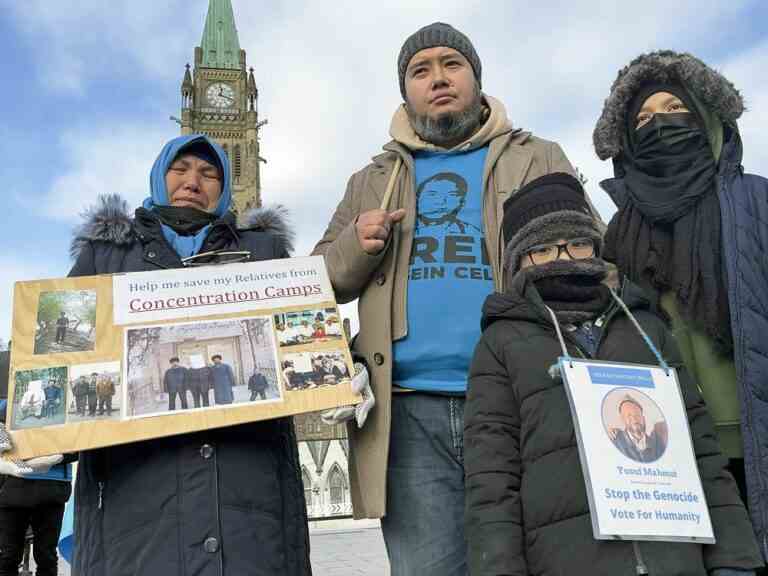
<point x="666" y="235"/>
<point x="184" y="220"/>
<point x="573" y="289"/>
<point x="671" y="167"/>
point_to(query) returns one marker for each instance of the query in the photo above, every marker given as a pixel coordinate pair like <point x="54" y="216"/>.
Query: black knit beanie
<point x="436" y="34"/>
<point x="547" y="209"/>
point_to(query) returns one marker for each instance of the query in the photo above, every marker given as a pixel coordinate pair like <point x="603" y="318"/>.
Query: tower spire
<point x="220" y="44"/>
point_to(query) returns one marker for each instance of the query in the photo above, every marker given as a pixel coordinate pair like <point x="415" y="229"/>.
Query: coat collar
<point x="110" y="220"/>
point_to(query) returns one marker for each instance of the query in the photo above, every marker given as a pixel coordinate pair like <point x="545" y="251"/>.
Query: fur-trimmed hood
<point x="111" y="220"/>
<point x="708" y="86"/>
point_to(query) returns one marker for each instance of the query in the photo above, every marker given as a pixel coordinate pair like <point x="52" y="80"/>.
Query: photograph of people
<point x="40" y="398"/>
<point x="307" y="370"/>
<point x="308" y="326"/>
<point x="223" y="381"/>
<point x="175" y="383"/>
<point x="633" y="440"/>
<point x="527" y="509"/>
<point x="199" y="364"/>
<point x="94" y="392"/>
<point x="66" y="321"/>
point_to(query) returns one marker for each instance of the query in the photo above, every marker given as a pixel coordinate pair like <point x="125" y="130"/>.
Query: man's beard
<point x="450" y="128"/>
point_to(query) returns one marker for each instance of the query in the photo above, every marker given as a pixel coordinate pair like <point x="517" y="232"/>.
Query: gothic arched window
<point x="236" y="162"/>
<point x="337" y="482"/>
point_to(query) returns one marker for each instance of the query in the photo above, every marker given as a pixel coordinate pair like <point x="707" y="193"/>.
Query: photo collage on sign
<point x="65" y="393"/>
<point x="326" y="363"/>
<point x="198" y="365"/>
<point x="165" y="368"/>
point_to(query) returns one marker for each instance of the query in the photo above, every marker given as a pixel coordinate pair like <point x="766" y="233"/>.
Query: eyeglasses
<point x="577" y="249"/>
<point x="216" y="257"/>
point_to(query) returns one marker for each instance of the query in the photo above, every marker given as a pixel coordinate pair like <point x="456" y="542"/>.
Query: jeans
<point x="424" y="526"/>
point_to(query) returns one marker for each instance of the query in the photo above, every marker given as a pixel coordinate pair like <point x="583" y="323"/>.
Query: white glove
<point x="21" y="468"/>
<point x="361" y="384"/>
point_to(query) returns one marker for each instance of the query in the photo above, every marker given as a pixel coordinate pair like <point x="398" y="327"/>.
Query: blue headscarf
<point x="186" y="245"/>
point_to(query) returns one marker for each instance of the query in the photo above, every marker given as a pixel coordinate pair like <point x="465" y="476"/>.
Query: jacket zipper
<point x="640" y="567"/>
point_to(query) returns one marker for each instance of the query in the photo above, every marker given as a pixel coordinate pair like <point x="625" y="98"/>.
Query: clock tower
<point x="219" y="98"/>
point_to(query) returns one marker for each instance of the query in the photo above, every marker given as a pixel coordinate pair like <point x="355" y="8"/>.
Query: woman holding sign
<point x="227" y="501"/>
<point x="527" y="510"/>
<point x="692" y="230"/>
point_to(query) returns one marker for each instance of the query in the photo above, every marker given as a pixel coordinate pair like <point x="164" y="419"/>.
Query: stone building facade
<point x="219" y="98"/>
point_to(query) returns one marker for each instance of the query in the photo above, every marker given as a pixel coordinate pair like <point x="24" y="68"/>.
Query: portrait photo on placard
<point x="95" y="392"/>
<point x="308" y="326"/>
<point x="66" y="321"/>
<point x="635" y="424"/>
<point x="307" y="370"/>
<point x="39" y="398"/>
<point x="199" y="365"/>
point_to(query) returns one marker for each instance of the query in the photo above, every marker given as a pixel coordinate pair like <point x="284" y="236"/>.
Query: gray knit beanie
<point x="549" y="208"/>
<point x="436" y="34"/>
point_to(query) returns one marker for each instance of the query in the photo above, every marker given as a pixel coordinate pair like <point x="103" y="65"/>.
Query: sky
<point x="88" y="88"/>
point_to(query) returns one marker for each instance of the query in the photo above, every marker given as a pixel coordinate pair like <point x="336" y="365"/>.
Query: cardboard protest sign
<point x="104" y="360"/>
<point x="636" y="452"/>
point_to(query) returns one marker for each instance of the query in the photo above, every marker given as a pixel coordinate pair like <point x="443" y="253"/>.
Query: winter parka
<point x="526" y="503"/>
<point x="744" y="223"/>
<point x="221" y="502"/>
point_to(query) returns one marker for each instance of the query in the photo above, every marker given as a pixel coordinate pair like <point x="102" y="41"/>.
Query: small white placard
<point x="636" y="452"/>
<point x="146" y="297"/>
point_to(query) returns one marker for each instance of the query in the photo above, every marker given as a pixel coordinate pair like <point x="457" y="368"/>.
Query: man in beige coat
<point x="416" y="238"/>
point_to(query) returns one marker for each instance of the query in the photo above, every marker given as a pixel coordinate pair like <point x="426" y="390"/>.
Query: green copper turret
<point x="220" y="44"/>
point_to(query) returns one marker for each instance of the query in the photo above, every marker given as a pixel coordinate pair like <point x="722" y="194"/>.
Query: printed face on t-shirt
<point x="440" y="197"/>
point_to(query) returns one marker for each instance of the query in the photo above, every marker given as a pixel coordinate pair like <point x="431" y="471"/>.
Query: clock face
<point x="220" y="95"/>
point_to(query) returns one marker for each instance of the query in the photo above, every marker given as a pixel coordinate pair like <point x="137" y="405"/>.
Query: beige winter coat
<point x="514" y="158"/>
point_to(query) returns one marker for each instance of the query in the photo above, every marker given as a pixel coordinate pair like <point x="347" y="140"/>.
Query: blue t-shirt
<point x="449" y="274"/>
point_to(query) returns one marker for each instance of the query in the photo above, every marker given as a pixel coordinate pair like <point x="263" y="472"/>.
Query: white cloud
<point x="744" y="71"/>
<point x="77" y="42"/>
<point x="113" y="159"/>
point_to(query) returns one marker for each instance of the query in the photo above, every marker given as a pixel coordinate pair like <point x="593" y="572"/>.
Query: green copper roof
<point x="220" y="45"/>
